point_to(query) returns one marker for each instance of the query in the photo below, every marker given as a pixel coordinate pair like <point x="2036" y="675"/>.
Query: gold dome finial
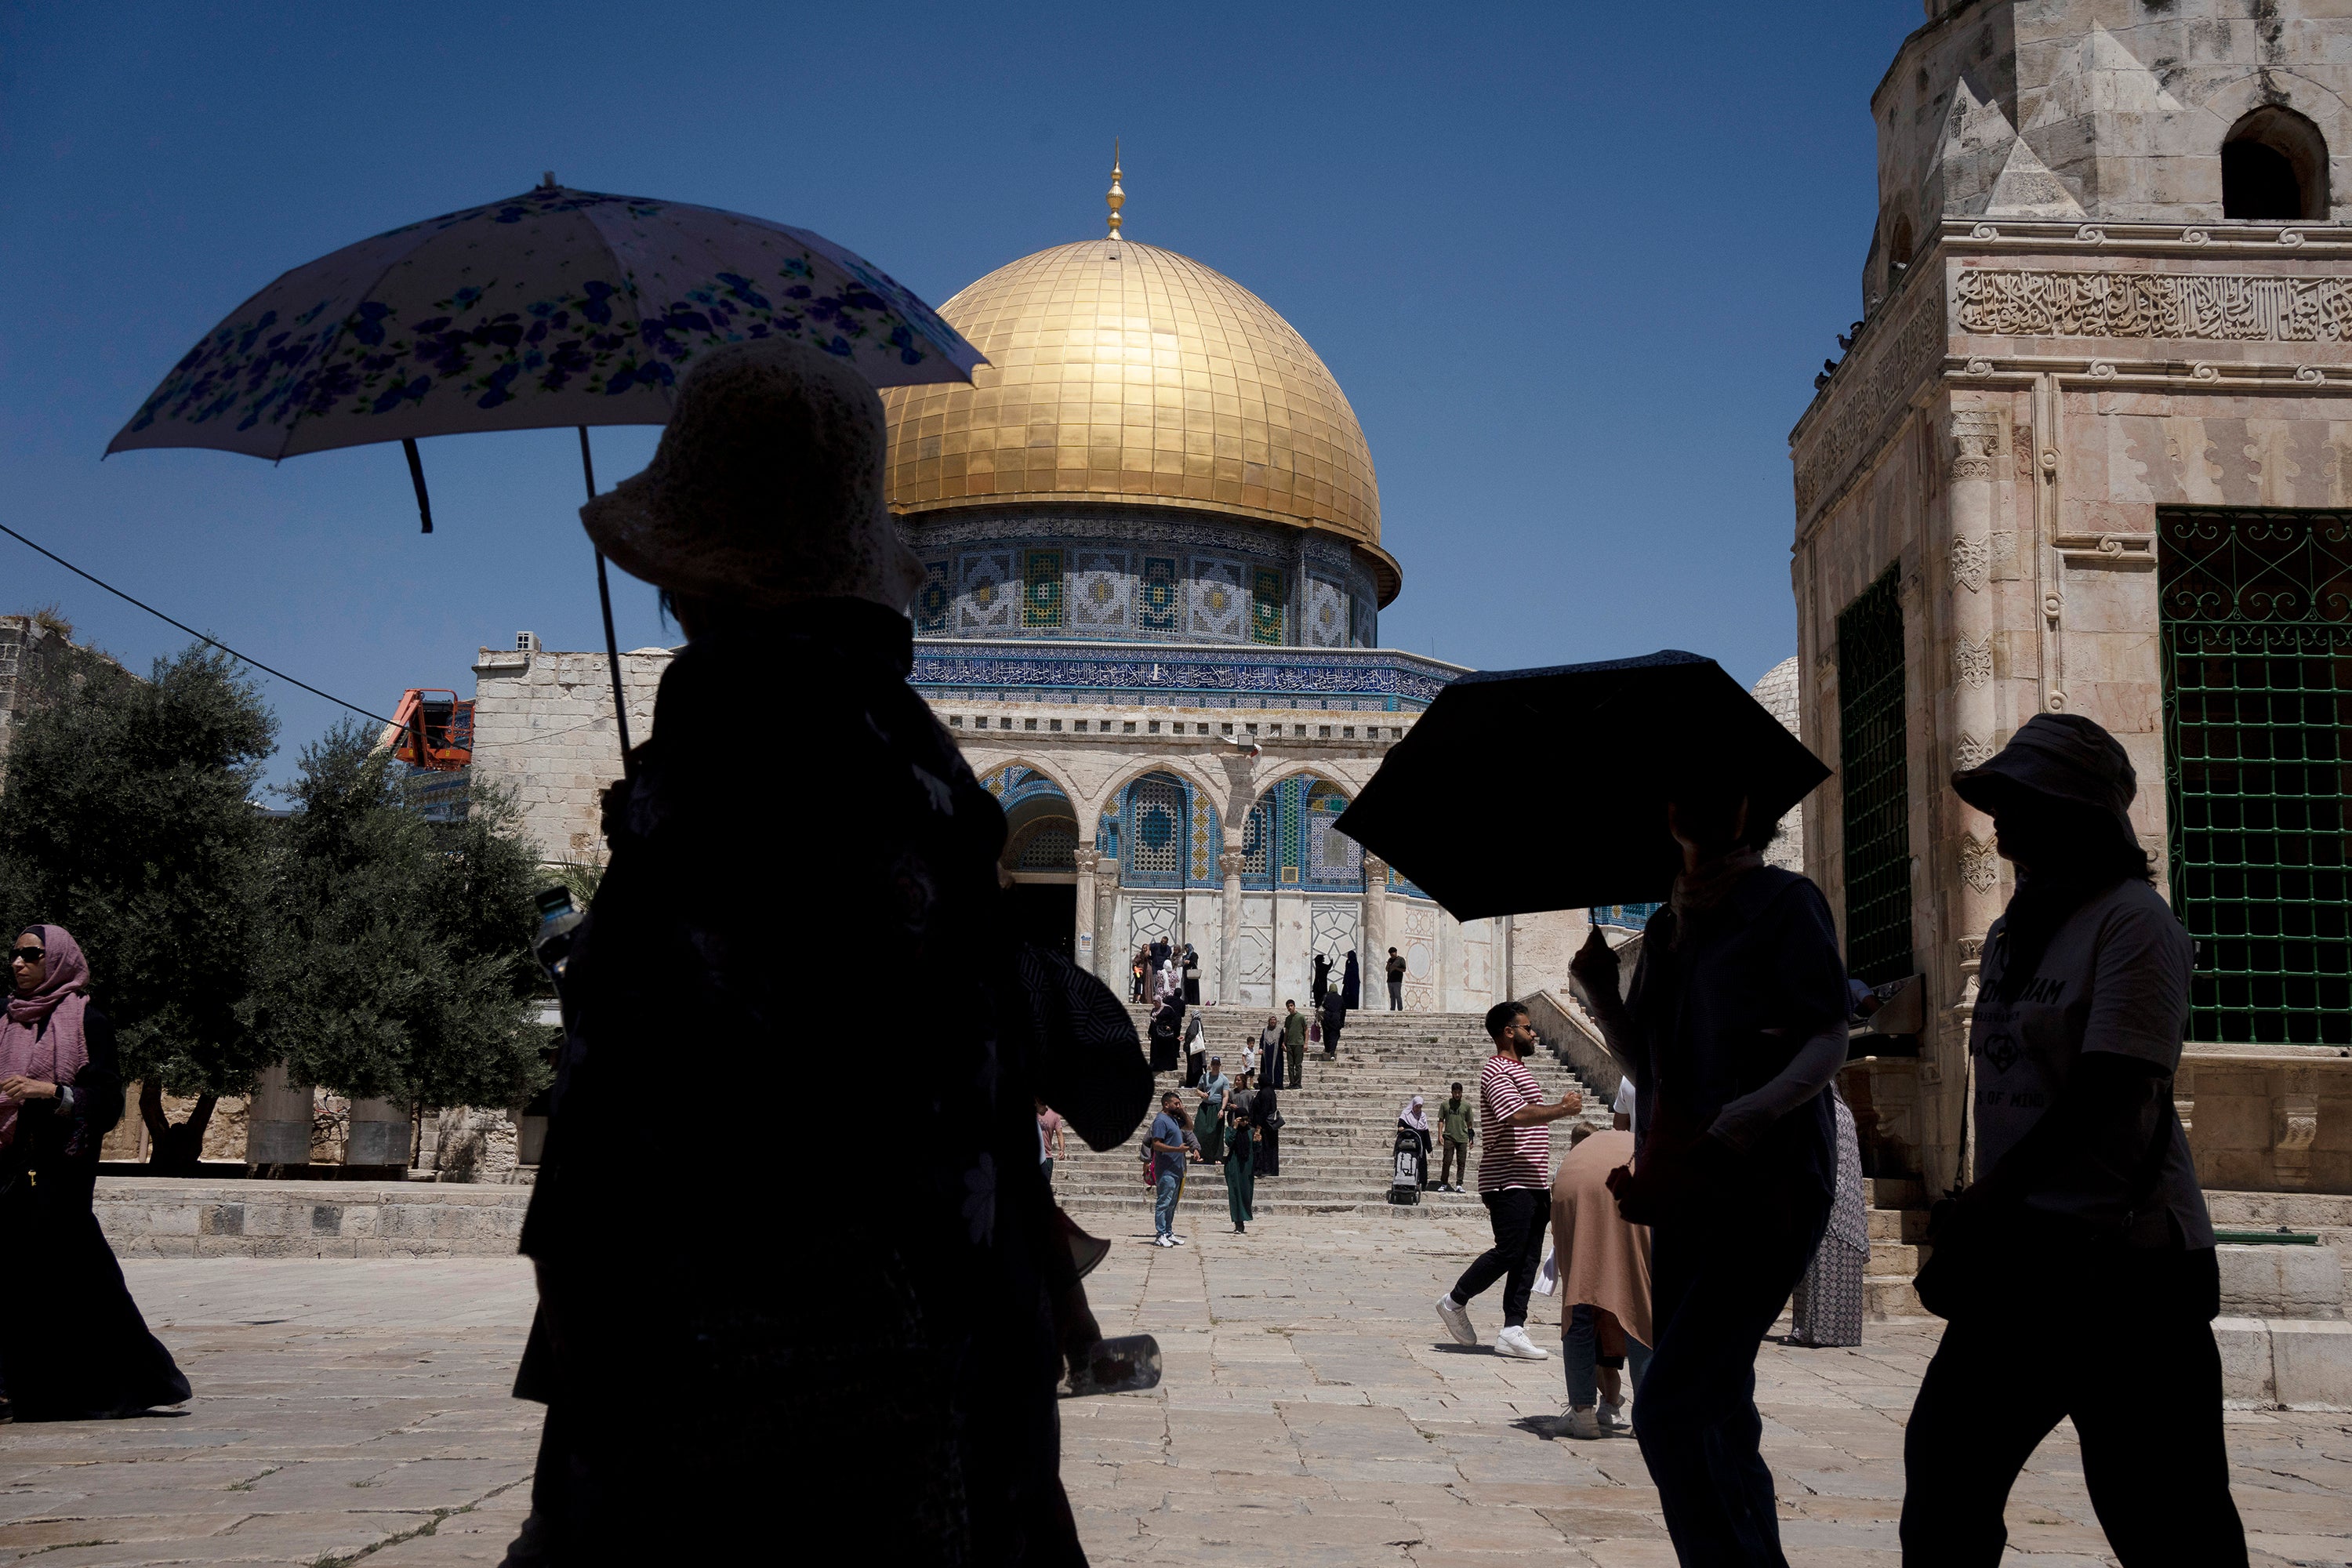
<point x="1117" y="198"/>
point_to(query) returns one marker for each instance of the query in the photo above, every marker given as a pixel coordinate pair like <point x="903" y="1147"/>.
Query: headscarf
<point x="1412" y="1116"/>
<point x="41" y="1036"/>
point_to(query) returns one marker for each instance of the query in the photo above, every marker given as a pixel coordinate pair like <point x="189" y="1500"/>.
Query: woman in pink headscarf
<point x="72" y="1344"/>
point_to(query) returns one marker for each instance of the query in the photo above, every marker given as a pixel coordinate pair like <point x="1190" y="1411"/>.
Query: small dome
<point x="1125" y="372"/>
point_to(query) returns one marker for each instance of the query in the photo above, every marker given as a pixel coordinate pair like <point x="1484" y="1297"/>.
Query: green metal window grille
<point x="1041" y="588"/>
<point x="1872" y="739"/>
<point x="1267" y="600"/>
<point x="2256" y="619"/>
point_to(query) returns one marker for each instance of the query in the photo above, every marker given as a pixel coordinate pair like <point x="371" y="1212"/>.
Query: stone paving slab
<point x="357" y="1410"/>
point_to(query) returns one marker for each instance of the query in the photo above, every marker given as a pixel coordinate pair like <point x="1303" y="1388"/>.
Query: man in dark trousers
<point x="1514" y="1182"/>
<point x="1396" y="981"/>
<point x="1294" y="1041"/>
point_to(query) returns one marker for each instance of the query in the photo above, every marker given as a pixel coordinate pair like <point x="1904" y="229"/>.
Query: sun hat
<point x="2059" y="756"/>
<point x="767" y="487"/>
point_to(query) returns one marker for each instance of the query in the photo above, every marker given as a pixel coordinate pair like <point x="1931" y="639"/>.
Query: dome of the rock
<point x="1128" y="375"/>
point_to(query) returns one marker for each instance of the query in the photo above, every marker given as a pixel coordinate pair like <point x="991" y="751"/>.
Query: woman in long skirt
<point x="72" y="1344"/>
<point x="1241" y="1156"/>
<point x="1826" y="1307"/>
<point x="1266" y="1115"/>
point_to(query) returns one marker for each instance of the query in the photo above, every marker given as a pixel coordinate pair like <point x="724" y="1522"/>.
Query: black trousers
<point x="2133" y="1361"/>
<point x="1715" y="1286"/>
<point x="1520" y="1215"/>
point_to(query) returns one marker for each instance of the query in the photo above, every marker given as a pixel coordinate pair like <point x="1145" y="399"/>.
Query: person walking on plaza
<point x="1171" y="1143"/>
<point x="72" y="1344"/>
<point x="689" y="1382"/>
<point x="1196" y="1049"/>
<point x="2087" y="1220"/>
<point x="1826" y="1307"/>
<point x="1396" y="981"/>
<point x="1459" y="1133"/>
<point x="1415" y="1120"/>
<point x="1209" y="1119"/>
<point x="1604" y="1280"/>
<point x="1269" y="1049"/>
<point x="1294" y="1042"/>
<point x="1735" y="1022"/>
<point x="1514" y="1182"/>
<point x="1265" y="1116"/>
<point x="1191" y="968"/>
<point x="1320" y="986"/>
<point x="1352" y="985"/>
<point x="1241" y="1154"/>
<point x="1140" y="973"/>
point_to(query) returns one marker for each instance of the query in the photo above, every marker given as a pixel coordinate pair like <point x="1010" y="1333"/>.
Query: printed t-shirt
<point x="1514" y="1156"/>
<point x="1454" y="1118"/>
<point x="2115" y="978"/>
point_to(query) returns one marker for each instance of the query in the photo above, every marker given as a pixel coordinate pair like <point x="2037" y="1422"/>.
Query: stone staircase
<point x="1339" y="1128"/>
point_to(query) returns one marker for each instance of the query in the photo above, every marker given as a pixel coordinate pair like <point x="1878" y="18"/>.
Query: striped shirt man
<point x="1512" y="1156"/>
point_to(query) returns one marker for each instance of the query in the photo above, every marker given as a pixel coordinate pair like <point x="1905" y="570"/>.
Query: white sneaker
<point x="1161" y="1241"/>
<point x="1456" y="1318"/>
<point x="1612" y="1416"/>
<point x="1514" y="1342"/>
<point x="1175" y="1241"/>
<point x="1578" y="1421"/>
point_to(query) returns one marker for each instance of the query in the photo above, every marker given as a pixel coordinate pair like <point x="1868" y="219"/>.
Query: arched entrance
<point x="1039" y="862"/>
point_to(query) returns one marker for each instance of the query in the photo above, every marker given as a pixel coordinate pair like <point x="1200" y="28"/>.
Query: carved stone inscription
<point x="2222" y="308"/>
<point x="1864" y="405"/>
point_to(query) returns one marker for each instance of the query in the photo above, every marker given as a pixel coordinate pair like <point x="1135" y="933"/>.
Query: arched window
<point x="1898" y="248"/>
<point x="1157" y="811"/>
<point x="2274" y="168"/>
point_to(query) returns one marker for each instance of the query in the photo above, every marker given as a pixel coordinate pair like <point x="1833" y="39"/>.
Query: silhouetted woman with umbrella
<point x="72" y="1343"/>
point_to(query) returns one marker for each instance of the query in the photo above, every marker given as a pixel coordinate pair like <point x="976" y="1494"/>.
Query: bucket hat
<point x="767" y="487"/>
<point x="2060" y="756"/>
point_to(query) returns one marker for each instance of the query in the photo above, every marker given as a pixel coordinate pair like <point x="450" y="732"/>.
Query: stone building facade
<point x="31" y="648"/>
<point x="1150" y="535"/>
<point x="2091" y="452"/>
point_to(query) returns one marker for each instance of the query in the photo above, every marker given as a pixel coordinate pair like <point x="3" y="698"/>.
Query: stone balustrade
<point x="2268" y="1119"/>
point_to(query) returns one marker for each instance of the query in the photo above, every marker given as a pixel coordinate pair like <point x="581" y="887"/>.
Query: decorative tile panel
<point x="1207" y="843"/>
<point x="1041" y="590"/>
<point x="1219" y="599"/>
<point x="984" y="599"/>
<point x="1100" y="589"/>
<point x="934" y="600"/>
<point x="1159" y="596"/>
<point x="1326" y="615"/>
<point x="1268" y="598"/>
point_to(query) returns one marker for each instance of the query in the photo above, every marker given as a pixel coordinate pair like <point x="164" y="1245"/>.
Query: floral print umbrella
<point x="556" y="307"/>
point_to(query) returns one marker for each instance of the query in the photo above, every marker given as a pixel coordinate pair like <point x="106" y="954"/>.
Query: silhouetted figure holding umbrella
<point x="1736" y="1021"/>
<point x="1735" y="1024"/>
<point x="730" y="1375"/>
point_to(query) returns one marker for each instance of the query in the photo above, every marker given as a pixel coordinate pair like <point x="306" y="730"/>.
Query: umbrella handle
<point x="416" y="477"/>
<point x="604" y="595"/>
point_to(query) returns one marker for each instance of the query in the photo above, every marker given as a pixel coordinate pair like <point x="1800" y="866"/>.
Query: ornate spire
<point x="1117" y="197"/>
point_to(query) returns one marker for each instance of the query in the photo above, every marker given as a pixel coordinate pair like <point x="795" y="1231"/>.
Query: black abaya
<point x="72" y="1344"/>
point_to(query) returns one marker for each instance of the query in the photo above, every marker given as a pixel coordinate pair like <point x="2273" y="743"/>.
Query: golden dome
<point x="1125" y="372"/>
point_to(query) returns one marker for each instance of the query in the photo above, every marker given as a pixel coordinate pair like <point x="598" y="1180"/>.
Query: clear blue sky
<point x="1575" y="265"/>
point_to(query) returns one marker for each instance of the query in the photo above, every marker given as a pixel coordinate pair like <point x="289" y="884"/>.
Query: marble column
<point x="1087" y="944"/>
<point x="1111" y="943"/>
<point x="1373" y="935"/>
<point x="1975" y="442"/>
<point x="1229" y="977"/>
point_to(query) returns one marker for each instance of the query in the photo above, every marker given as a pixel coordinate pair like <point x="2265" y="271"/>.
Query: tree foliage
<point x="125" y="817"/>
<point x="398" y="966"/>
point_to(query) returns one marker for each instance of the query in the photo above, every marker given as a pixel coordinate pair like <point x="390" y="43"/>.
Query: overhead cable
<point x="192" y="631"/>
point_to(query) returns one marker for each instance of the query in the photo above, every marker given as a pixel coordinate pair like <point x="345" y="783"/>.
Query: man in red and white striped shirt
<point x="1514" y="1182"/>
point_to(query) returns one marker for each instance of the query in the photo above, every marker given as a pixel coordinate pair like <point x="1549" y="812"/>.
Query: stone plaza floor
<point x="1311" y="1414"/>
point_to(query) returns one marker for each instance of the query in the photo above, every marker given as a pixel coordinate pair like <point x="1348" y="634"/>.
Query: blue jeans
<point x="1580" y="1347"/>
<point x="1163" y="1205"/>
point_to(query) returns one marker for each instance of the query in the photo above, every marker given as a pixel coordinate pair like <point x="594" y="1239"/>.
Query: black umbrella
<point x="1522" y="790"/>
